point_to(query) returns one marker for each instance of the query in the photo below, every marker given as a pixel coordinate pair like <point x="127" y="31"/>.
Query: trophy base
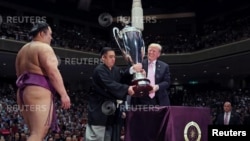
<point x="142" y="87"/>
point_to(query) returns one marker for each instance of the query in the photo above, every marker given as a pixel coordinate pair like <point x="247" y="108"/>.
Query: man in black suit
<point x="108" y="87"/>
<point x="228" y="117"/>
<point x="246" y="120"/>
<point x="161" y="79"/>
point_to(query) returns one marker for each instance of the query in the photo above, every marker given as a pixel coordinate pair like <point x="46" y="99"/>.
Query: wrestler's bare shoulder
<point x="37" y="45"/>
<point x="31" y="50"/>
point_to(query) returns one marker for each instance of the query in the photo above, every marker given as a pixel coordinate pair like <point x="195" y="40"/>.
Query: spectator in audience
<point x="68" y="138"/>
<point x="74" y="138"/>
<point x="50" y="139"/>
<point x="108" y="87"/>
<point x="2" y="138"/>
<point x="38" y="80"/>
<point x="228" y="117"/>
<point x="14" y="128"/>
<point x="23" y="137"/>
<point x="17" y="137"/>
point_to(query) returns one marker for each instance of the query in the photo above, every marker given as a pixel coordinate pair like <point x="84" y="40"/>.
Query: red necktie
<point x="151" y="77"/>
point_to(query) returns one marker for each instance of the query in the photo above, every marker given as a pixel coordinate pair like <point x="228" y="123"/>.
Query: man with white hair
<point x="159" y="75"/>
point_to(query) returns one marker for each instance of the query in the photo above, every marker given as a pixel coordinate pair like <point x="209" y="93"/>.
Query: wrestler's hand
<point x="65" y="100"/>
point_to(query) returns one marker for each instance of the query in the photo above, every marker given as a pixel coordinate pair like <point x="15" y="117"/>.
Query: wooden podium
<point x="170" y="123"/>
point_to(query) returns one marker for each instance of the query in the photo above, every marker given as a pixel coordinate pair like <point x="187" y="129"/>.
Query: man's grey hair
<point x="155" y="45"/>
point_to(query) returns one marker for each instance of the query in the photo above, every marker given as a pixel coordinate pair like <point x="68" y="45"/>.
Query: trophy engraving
<point x="131" y="44"/>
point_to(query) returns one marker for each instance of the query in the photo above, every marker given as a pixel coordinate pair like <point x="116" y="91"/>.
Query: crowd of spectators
<point x="211" y="35"/>
<point x="79" y="37"/>
<point x="72" y="122"/>
<point x="65" y="36"/>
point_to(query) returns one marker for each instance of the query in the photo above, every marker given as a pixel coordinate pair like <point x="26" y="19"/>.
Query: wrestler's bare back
<point x="29" y="60"/>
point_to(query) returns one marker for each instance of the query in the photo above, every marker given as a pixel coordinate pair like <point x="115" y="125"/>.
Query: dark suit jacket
<point x="107" y="86"/>
<point x="234" y="119"/>
<point x="246" y="120"/>
<point x="162" y="78"/>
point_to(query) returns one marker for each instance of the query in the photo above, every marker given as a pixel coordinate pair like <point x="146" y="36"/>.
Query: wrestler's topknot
<point x="38" y="27"/>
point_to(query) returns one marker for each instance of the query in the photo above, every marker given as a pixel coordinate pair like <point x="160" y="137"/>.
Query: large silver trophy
<point x="131" y="44"/>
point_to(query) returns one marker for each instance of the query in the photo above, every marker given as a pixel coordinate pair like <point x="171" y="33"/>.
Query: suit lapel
<point x="145" y="66"/>
<point x="157" y="72"/>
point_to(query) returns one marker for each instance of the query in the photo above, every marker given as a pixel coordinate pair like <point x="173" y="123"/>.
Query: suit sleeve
<point x="126" y="77"/>
<point x="165" y="82"/>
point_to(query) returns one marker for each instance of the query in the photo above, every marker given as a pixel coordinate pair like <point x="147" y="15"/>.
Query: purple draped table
<point x="170" y="123"/>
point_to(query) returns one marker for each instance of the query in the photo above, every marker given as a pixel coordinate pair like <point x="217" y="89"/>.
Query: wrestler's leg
<point x="38" y="100"/>
<point x="21" y="110"/>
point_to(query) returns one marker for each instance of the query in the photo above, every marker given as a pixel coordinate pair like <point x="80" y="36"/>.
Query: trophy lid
<point x="128" y="28"/>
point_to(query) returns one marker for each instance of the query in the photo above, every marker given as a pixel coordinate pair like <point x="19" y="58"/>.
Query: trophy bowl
<point x="131" y="44"/>
<point x="142" y="85"/>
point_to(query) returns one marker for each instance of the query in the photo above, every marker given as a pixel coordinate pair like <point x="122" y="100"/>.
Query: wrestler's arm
<point x="49" y="63"/>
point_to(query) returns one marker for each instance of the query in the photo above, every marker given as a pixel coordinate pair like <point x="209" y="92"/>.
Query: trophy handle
<point x="143" y="50"/>
<point x="116" y="33"/>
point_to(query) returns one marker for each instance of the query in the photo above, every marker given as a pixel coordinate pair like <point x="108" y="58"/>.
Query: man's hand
<point x="131" y="90"/>
<point x="144" y="73"/>
<point x="137" y="67"/>
<point x="155" y="88"/>
<point x="65" y="100"/>
<point x="123" y="115"/>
